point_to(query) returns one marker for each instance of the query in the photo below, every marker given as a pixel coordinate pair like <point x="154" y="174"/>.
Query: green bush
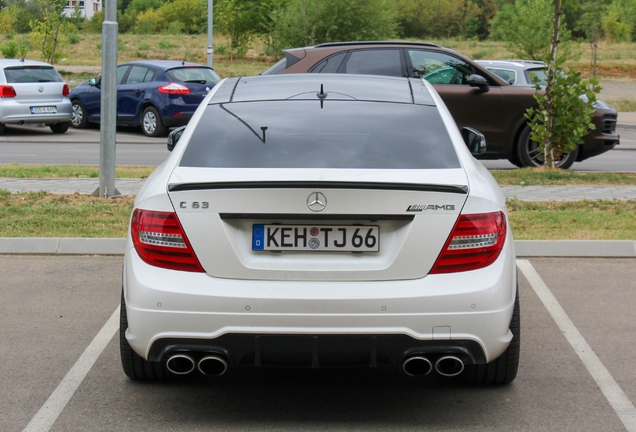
<point x="143" y="46"/>
<point x="164" y="44"/>
<point x="10" y="49"/>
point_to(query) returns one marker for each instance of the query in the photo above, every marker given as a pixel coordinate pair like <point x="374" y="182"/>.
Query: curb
<point x="625" y="126"/>
<point x="117" y="246"/>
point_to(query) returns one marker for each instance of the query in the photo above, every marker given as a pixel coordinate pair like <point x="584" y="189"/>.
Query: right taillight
<point x="160" y="241"/>
<point x="474" y="243"/>
<point x="6" y="91"/>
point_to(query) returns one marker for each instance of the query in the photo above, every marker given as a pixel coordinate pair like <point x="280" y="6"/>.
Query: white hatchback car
<point x="33" y="92"/>
<point x="321" y="221"/>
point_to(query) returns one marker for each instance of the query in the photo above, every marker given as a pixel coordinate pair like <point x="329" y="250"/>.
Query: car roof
<point x="324" y="87"/>
<point x="164" y="64"/>
<point x="519" y="64"/>
<point x="18" y="62"/>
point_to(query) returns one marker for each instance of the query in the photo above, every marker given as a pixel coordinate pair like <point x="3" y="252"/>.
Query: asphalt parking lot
<point x="60" y="367"/>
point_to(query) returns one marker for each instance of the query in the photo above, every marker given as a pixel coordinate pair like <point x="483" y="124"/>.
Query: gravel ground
<point x="618" y="90"/>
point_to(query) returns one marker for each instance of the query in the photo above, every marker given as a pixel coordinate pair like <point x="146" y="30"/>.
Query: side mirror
<point x="478" y="81"/>
<point x="475" y="141"/>
<point x="95" y="81"/>
<point x="174" y="137"/>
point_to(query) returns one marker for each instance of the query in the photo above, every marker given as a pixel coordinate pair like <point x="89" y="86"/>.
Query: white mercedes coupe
<point x="319" y="220"/>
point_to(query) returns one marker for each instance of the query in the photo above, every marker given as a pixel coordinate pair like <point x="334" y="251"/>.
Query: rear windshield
<point x="193" y="74"/>
<point x="31" y="74"/>
<point x="308" y="134"/>
<point x="539" y="74"/>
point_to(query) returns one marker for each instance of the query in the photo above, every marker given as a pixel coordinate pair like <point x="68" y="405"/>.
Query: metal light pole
<point x="108" y="118"/>
<point x="210" y="25"/>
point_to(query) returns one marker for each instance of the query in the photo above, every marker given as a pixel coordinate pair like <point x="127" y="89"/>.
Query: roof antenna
<point x="24" y="56"/>
<point x="322" y="95"/>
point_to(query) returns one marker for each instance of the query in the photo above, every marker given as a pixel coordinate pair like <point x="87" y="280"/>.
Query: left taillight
<point x="475" y="242"/>
<point x="7" y="91"/>
<point x="65" y="90"/>
<point x="174" y="88"/>
<point x="160" y="241"/>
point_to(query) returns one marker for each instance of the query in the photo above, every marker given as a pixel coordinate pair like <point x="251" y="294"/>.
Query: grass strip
<point x="545" y="177"/>
<point x="41" y="214"/>
<point x="573" y="220"/>
<point x="513" y="177"/>
<point x="70" y="171"/>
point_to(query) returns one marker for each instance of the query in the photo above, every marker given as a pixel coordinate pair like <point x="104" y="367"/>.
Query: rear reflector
<point x="474" y="243"/>
<point x="160" y="241"/>
<point x="6" y="91"/>
<point x="174" y="88"/>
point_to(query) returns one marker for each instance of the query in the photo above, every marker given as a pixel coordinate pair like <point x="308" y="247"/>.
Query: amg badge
<point x="420" y="207"/>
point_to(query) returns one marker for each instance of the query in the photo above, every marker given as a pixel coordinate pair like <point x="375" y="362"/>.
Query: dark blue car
<point x="153" y="94"/>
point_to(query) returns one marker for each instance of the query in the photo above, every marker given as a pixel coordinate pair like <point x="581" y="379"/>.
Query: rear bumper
<point x="170" y="311"/>
<point x="12" y="112"/>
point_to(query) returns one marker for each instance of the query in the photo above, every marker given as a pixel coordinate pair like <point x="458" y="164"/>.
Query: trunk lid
<point x="414" y="211"/>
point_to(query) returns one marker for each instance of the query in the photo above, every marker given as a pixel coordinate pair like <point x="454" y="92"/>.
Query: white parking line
<point x="612" y="391"/>
<point x="52" y="408"/>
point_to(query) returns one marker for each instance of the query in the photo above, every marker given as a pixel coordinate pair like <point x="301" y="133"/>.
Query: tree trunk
<point x="549" y="124"/>
<point x="57" y="32"/>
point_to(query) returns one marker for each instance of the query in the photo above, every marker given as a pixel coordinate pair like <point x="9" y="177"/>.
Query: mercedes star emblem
<point x="316" y="202"/>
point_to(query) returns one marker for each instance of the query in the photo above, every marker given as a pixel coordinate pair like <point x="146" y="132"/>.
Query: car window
<point x="374" y="62"/>
<point x="508" y="75"/>
<point x="330" y="64"/>
<point x="121" y="72"/>
<point x="31" y="74"/>
<point x="201" y="75"/>
<point x="439" y="68"/>
<point x="138" y="75"/>
<point x="539" y="74"/>
<point x="280" y="66"/>
<point x="334" y="134"/>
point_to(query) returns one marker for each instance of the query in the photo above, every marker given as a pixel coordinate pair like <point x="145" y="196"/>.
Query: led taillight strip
<point x="160" y="241"/>
<point x="475" y="242"/>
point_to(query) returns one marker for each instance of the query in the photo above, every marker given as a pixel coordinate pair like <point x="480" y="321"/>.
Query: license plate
<point x="320" y="238"/>
<point x="44" y="110"/>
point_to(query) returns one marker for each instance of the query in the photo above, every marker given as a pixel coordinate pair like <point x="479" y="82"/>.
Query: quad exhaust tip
<point x="212" y="366"/>
<point x="449" y="366"/>
<point x="417" y="366"/>
<point x="180" y="364"/>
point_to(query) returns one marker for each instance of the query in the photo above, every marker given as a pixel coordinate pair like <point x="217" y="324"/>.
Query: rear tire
<point x="502" y="370"/>
<point x="60" y="128"/>
<point x="135" y="366"/>
<point x="529" y="155"/>
<point x="151" y="123"/>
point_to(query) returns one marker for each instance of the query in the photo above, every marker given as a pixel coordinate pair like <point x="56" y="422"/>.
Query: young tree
<point x="45" y="32"/>
<point x="565" y="109"/>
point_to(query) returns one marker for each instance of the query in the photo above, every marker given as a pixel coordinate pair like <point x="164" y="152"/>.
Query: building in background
<point x="86" y="7"/>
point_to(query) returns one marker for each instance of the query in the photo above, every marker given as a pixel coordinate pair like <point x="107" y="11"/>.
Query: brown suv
<point x="475" y="96"/>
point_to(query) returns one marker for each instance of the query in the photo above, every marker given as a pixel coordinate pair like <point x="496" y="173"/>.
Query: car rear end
<point x="185" y="86"/>
<point x="32" y="92"/>
<point x="331" y="227"/>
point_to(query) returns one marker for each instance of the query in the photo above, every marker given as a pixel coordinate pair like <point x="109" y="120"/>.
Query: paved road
<point x="28" y="145"/>
<point x="53" y="308"/>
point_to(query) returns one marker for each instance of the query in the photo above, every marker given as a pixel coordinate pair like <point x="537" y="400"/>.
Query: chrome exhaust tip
<point x="417" y="366"/>
<point x="449" y="366"/>
<point x="180" y="364"/>
<point x="212" y="366"/>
